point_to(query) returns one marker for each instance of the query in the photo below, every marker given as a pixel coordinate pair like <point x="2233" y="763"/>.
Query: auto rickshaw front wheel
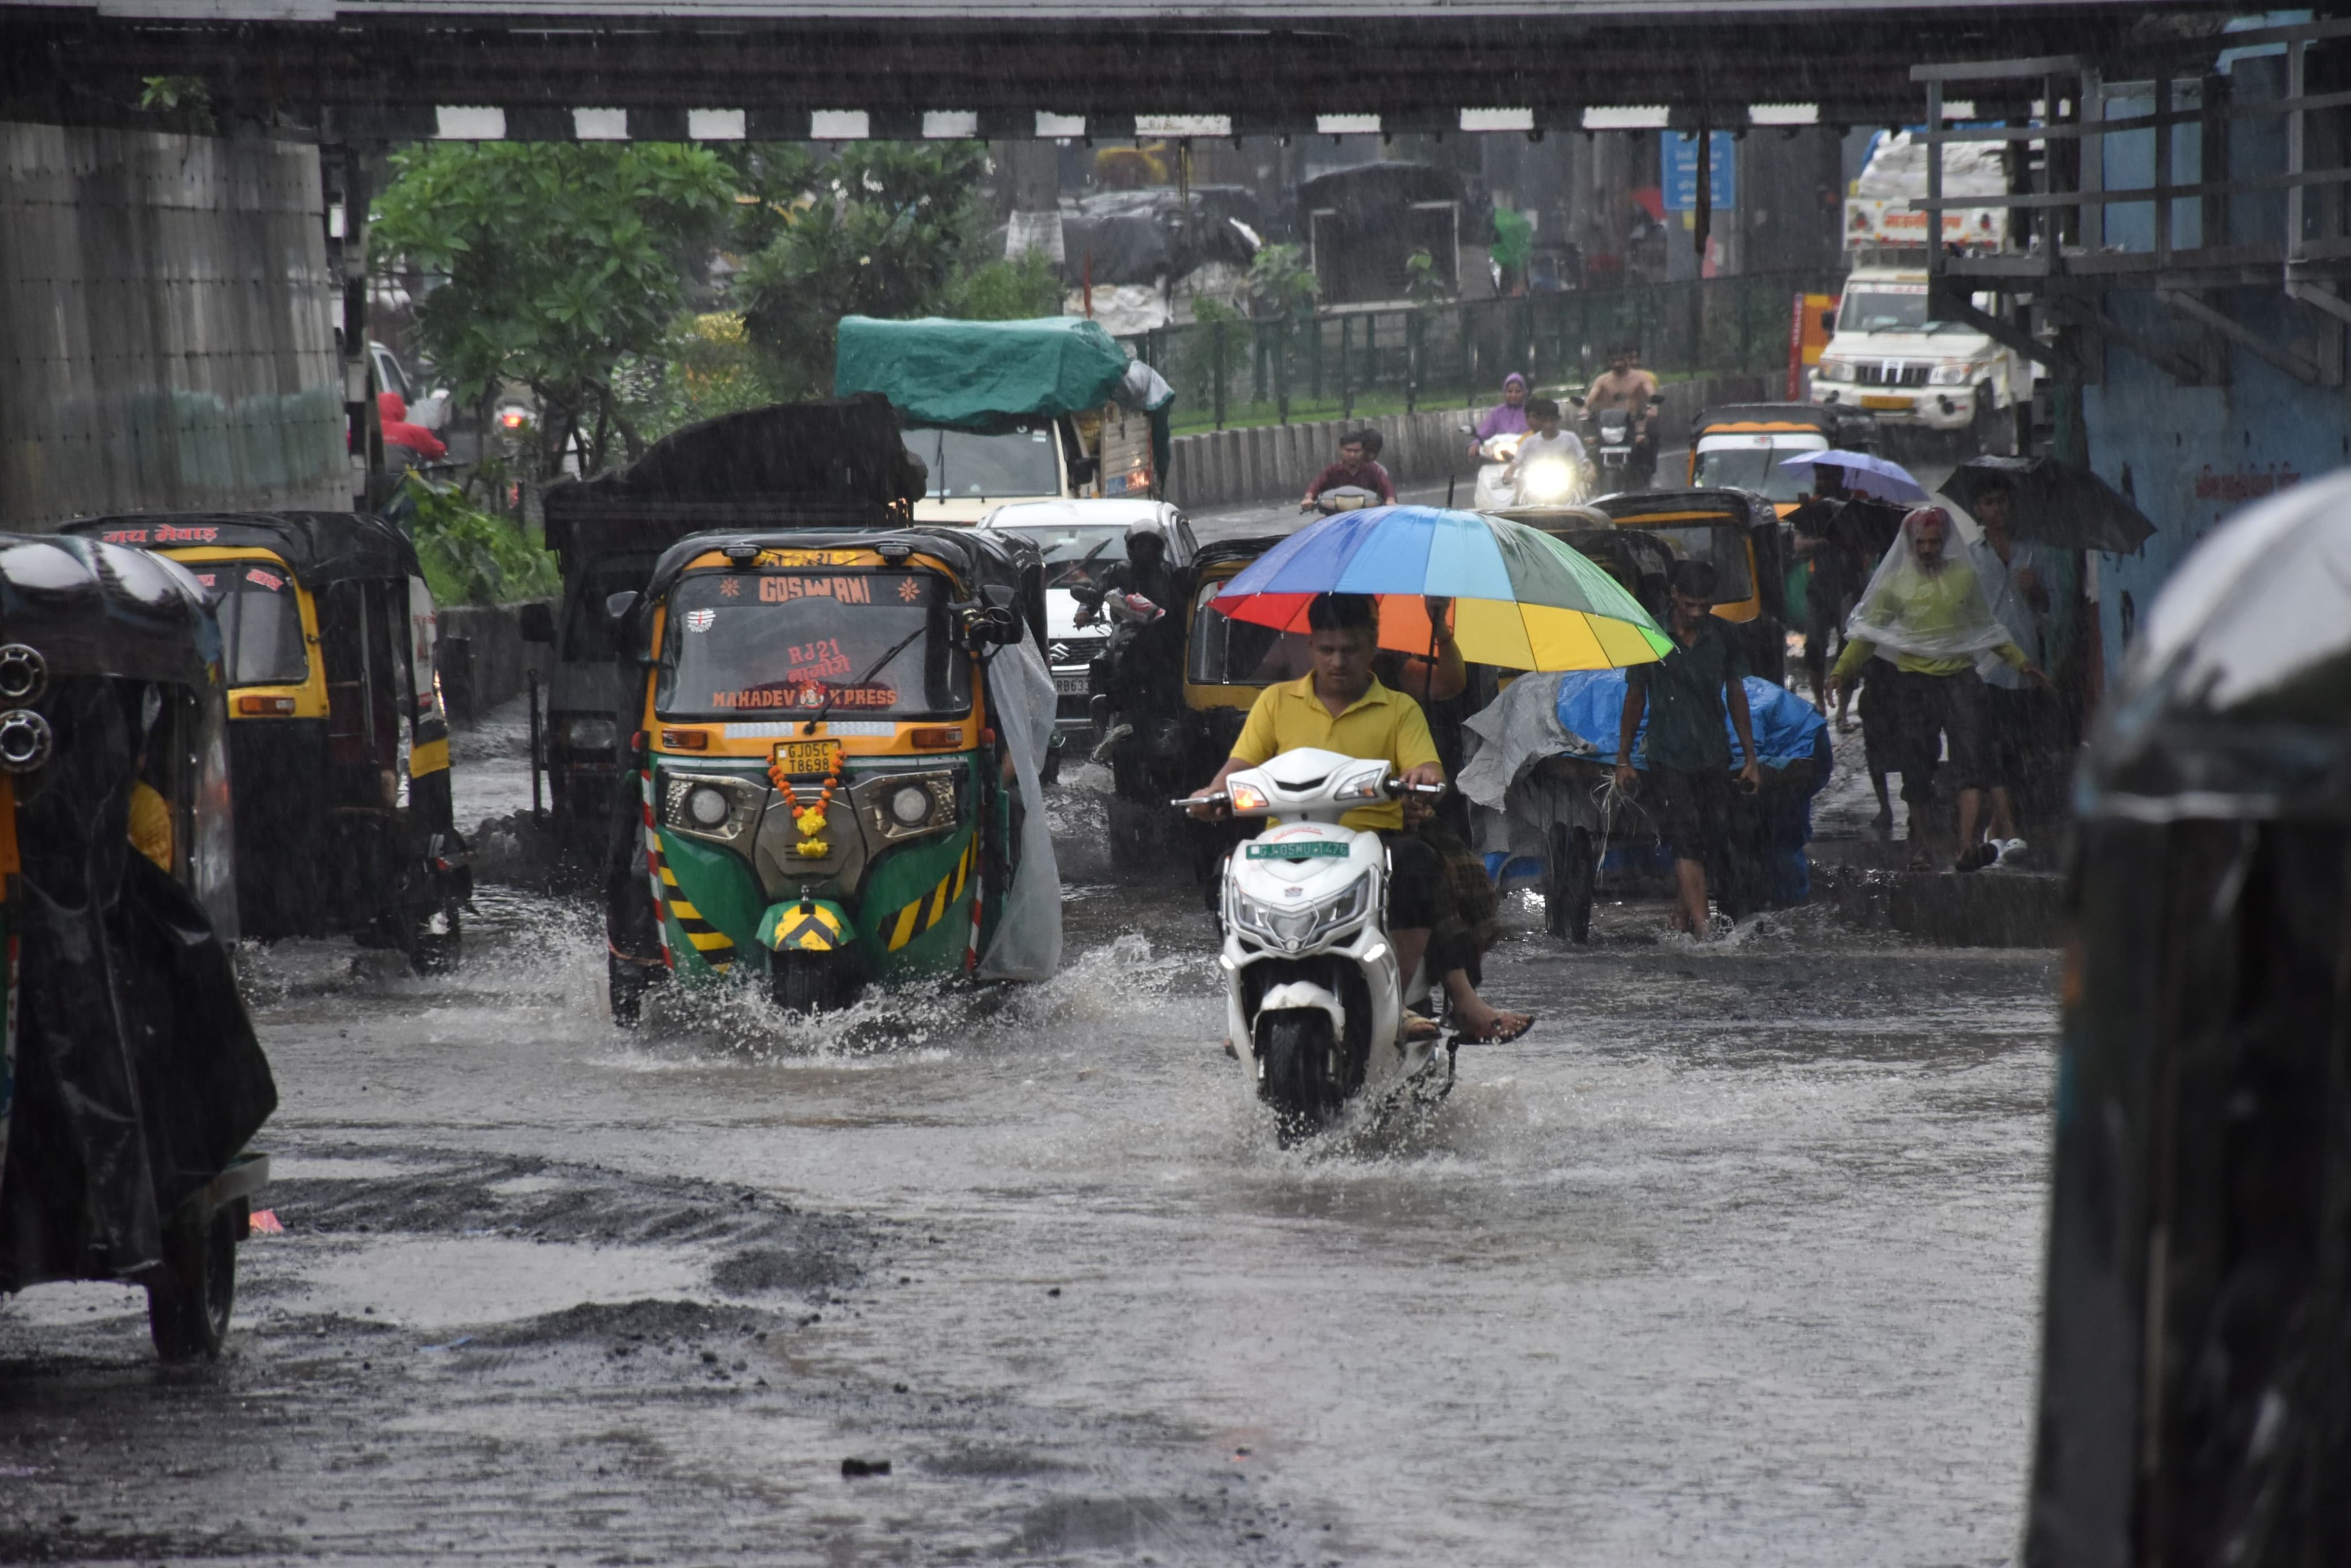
<point x="810" y="982"/>
<point x="188" y="1305"/>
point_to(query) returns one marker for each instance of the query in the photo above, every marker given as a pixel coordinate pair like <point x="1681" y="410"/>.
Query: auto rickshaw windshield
<point x="1230" y="652"/>
<point x="1722" y="545"/>
<point x="771" y="641"/>
<point x="260" y="617"/>
<point x="1755" y="463"/>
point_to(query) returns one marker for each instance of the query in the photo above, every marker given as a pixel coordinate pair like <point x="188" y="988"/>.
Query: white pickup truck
<point x="1887" y="357"/>
<point x="1883" y="354"/>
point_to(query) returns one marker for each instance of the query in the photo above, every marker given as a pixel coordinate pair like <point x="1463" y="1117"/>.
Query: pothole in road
<point x="436" y="1282"/>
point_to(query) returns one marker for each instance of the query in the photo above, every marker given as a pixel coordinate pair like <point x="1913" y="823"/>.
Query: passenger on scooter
<point x="1341" y="706"/>
<point x="1508" y="417"/>
<point x="1355" y="466"/>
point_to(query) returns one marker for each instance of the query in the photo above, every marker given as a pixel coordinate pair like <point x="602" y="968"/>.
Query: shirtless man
<point x="1626" y="385"/>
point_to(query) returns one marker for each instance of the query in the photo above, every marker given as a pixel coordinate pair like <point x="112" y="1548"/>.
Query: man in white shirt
<point x="1545" y="440"/>
<point x="2015" y="575"/>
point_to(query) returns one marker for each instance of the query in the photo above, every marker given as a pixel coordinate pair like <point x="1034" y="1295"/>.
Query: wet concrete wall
<point x="167" y="339"/>
<point x="484" y="660"/>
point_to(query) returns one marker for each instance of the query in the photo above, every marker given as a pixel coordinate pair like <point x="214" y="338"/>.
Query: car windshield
<point x="1230" y="652"/>
<point x="1722" y="545"/>
<point x="588" y="634"/>
<point x="1760" y="467"/>
<point x="260" y="617"/>
<point x="1883" y="310"/>
<point x="741" y="645"/>
<point x="1076" y="553"/>
<point x="967" y="466"/>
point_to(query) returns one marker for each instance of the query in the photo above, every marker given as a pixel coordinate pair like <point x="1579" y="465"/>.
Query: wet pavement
<point x="1734" y="1259"/>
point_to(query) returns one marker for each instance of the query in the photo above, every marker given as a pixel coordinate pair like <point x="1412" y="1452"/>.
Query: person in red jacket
<point x="392" y="410"/>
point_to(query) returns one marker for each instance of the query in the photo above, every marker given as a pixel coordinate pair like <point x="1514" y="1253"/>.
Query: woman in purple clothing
<point x="1508" y="417"/>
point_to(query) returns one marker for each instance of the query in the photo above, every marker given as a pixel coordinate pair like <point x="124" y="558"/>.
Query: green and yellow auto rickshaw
<point x="129" y="1077"/>
<point x="338" y="743"/>
<point x="836" y="747"/>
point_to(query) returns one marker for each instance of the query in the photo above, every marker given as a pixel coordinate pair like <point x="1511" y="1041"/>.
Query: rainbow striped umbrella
<point x="1521" y="599"/>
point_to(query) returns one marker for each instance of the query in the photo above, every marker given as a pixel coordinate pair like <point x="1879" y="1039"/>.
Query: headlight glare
<point x="1246" y="797"/>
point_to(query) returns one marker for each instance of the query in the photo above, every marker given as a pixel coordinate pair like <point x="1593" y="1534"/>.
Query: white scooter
<point x="1495" y="455"/>
<point x="1315" y="1006"/>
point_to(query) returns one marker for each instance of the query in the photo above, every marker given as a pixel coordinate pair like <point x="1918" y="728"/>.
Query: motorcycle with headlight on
<point x="1315" y="1007"/>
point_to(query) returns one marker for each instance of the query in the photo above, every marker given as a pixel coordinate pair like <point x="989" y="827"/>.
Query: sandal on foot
<point x="1417" y="1029"/>
<point x="1502" y="1036"/>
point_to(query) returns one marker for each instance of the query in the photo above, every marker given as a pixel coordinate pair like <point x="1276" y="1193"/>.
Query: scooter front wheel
<point x="1296" y="1069"/>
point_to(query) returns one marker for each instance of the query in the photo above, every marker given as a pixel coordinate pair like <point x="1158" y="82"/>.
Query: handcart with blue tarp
<point x="1546" y="812"/>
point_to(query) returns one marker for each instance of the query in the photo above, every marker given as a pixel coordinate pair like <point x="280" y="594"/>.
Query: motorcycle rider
<point x="1508" y="417"/>
<point x="1355" y="466"/>
<point x="1340" y="705"/>
<point x="1546" y="440"/>
<point x="1140" y="667"/>
<point x="1626" y="385"/>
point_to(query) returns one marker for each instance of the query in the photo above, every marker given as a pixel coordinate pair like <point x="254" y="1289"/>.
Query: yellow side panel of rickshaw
<point x="757" y="738"/>
<point x="429" y="757"/>
<point x="1199" y="698"/>
<point x="310" y="697"/>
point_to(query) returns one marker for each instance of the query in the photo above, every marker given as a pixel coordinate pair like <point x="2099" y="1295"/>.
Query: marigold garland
<point x="810" y="818"/>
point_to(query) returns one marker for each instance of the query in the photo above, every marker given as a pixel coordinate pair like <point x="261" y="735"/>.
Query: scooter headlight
<point x="1344" y="910"/>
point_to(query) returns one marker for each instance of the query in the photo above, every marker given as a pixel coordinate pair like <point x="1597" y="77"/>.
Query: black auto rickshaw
<point x="1740" y="534"/>
<point x="2194" y="1407"/>
<point x="828" y="750"/>
<point x="338" y="743"/>
<point x="130" y="1078"/>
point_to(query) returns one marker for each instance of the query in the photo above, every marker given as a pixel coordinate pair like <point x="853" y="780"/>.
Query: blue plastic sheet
<point x="1786" y="728"/>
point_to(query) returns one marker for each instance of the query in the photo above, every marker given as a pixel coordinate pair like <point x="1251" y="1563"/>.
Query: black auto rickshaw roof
<point x="1849" y="428"/>
<point x="318" y="547"/>
<point x="93" y="608"/>
<point x="1742" y="507"/>
<point x="832" y="463"/>
<point x="2236" y="701"/>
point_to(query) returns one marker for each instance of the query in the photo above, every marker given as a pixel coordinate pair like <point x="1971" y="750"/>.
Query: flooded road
<point x="1734" y="1259"/>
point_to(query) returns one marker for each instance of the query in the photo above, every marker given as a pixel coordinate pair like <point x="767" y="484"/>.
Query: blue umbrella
<point x="1870" y="475"/>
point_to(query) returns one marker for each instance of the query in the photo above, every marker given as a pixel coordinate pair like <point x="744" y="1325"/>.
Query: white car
<point x="1081" y="540"/>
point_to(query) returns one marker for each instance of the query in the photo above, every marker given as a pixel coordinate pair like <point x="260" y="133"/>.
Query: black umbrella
<point x="2055" y="503"/>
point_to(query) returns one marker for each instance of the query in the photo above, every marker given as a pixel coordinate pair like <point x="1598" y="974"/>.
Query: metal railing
<point x="1339" y="361"/>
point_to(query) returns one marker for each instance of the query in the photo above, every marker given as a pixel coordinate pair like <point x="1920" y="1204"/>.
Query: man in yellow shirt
<point x="1339" y="706"/>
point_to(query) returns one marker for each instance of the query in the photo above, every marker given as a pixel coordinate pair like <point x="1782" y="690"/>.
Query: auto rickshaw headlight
<point x="708" y="805"/>
<point x="910" y="807"/>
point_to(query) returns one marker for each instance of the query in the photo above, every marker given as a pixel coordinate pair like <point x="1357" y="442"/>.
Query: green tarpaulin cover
<point x="976" y="376"/>
<point x="970" y="375"/>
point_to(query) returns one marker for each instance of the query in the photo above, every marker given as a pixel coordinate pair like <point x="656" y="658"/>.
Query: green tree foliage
<point x="1280" y="281"/>
<point x="879" y="230"/>
<point x="558" y="261"/>
<point x="1006" y="290"/>
<point x="470" y="557"/>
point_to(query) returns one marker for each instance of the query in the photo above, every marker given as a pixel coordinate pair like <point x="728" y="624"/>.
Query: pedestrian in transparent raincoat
<point x="1924" y="612"/>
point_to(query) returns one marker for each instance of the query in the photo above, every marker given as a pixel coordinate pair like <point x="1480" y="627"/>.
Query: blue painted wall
<point x="2191" y="456"/>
